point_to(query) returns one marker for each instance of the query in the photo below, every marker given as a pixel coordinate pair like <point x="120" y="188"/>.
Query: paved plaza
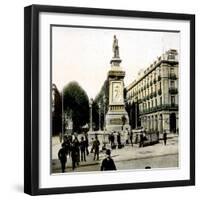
<point x="129" y="157"/>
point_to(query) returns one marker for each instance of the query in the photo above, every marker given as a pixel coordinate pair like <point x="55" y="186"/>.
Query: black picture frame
<point x="31" y="98"/>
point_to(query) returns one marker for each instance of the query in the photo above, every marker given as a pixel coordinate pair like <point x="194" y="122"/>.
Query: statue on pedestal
<point x="115" y="47"/>
<point x="116" y="114"/>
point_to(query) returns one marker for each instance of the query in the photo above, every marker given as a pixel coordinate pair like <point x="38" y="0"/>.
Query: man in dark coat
<point x="119" y="139"/>
<point x="62" y="157"/>
<point x="112" y="139"/>
<point x="108" y="163"/>
<point x="73" y="155"/>
<point x="77" y="149"/>
<point x="127" y="135"/>
<point x="141" y="139"/>
<point x="109" y="138"/>
<point x="83" y="149"/>
<point x="131" y="138"/>
<point x="96" y="145"/>
<point x="165" y="137"/>
<point x="87" y="143"/>
<point x="66" y="145"/>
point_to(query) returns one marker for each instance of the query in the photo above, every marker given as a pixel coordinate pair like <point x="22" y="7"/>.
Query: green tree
<point x="76" y="100"/>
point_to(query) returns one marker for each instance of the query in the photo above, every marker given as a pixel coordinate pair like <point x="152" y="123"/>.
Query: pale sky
<point x="83" y="54"/>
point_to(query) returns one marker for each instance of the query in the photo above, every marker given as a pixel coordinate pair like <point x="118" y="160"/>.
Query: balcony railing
<point x="173" y="76"/>
<point x="144" y="98"/>
<point x="167" y="107"/>
<point x="173" y="90"/>
<point x="139" y="101"/>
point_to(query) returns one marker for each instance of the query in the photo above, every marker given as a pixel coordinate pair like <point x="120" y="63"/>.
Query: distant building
<point x="152" y="99"/>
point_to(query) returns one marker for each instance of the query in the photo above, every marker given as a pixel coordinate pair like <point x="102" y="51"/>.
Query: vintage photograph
<point x="114" y="99"/>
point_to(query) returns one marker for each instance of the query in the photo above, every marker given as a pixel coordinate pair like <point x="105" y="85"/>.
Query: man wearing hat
<point x="108" y="163"/>
<point x="62" y="157"/>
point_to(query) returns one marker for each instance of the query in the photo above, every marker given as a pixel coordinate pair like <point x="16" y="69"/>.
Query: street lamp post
<point x="99" y="116"/>
<point x="104" y="112"/>
<point x="90" y="105"/>
<point x="104" y="124"/>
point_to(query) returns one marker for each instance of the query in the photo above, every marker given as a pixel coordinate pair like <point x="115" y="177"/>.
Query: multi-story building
<point x="152" y="98"/>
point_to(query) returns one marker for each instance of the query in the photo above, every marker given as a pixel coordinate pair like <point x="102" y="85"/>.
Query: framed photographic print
<point x="109" y="99"/>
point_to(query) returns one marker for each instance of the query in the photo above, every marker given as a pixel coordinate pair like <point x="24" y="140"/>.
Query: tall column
<point x="136" y="115"/>
<point x="156" y="123"/>
<point x="166" y="122"/>
<point x="149" y="123"/>
<point x="99" y="116"/>
<point x="177" y="125"/>
<point x="165" y="83"/>
<point x="160" y="123"/>
<point x="152" y="123"/>
<point x="90" y="105"/>
<point x="142" y="121"/>
<point x="145" y="123"/>
<point x="104" y="112"/>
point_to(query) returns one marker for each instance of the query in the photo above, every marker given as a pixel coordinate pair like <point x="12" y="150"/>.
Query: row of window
<point x="152" y="79"/>
<point x="154" y="103"/>
<point x="153" y="91"/>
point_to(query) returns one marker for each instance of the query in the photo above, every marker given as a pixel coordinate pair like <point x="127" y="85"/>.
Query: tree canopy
<point x="75" y="100"/>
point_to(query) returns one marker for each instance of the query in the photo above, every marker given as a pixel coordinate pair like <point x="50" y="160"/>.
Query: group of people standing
<point x="78" y="150"/>
<point x="74" y="149"/>
<point x="128" y="138"/>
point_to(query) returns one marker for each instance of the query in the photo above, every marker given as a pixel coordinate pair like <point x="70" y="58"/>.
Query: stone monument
<point x="116" y="118"/>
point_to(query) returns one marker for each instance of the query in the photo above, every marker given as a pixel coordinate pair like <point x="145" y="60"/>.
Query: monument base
<point x="114" y="121"/>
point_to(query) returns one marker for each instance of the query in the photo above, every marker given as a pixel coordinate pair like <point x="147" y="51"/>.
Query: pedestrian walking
<point x="136" y="138"/>
<point x="73" y="155"/>
<point x="66" y="145"/>
<point x="131" y="138"/>
<point x="141" y="144"/>
<point x="83" y="149"/>
<point x="112" y="140"/>
<point x="87" y="143"/>
<point x="77" y="149"/>
<point x="119" y="139"/>
<point x="108" y="162"/>
<point x="127" y="136"/>
<point x="62" y="157"/>
<point x="165" y="137"/>
<point x="96" y="145"/>
<point x="92" y="148"/>
<point x="109" y="138"/>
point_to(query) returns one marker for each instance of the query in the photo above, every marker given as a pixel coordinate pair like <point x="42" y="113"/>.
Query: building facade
<point x="152" y="99"/>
